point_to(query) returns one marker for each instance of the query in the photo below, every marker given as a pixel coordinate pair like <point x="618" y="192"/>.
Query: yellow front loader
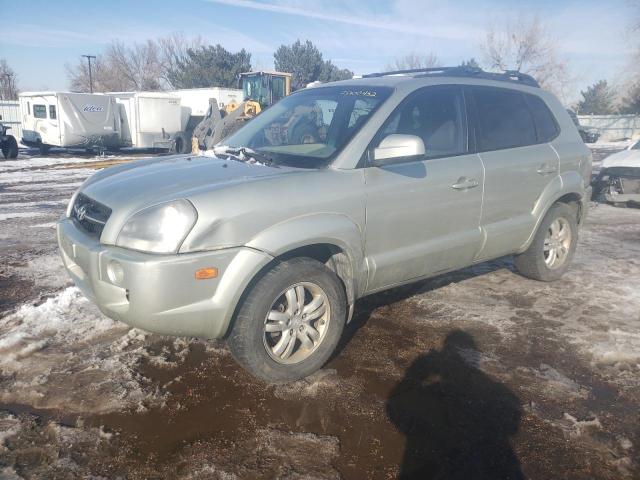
<point x="260" y="90"/>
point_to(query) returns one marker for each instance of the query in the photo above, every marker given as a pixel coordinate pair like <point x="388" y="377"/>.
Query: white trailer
<point x="195" y="103"/>
<point x="64" y="119"/>
<point x="151" y="120"/>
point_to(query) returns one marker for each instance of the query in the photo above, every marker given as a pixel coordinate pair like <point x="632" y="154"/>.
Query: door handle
<point x="546" y="169"/>
<point x="464" y="183"/>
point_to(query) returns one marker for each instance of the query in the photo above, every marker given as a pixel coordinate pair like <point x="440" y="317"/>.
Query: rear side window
<point x="435" y="114"/>
<point x="504" y="119"/>
<point x="52" y="112"/>
<point x="39" y="111"/>
<point x="546" y="125"/>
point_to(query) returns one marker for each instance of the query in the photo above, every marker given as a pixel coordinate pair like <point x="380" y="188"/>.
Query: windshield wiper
<point x="244" y="154"/>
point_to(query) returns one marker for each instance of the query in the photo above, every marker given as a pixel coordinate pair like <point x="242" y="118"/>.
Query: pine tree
<point x="598" y="99"/>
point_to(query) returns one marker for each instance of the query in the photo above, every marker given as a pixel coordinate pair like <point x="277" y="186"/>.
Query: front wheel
<point x="553" y="246"/>
<point x="10" y="148"/>
<point x="290" y="322"/>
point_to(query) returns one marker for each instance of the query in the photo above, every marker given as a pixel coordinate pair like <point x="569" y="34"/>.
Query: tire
<point x="257" y="349"/>
<point x="44" y="149"/>
<point x="537" y="264"/>
<point x="182" y="144"/>
<point x="10" y="148"/>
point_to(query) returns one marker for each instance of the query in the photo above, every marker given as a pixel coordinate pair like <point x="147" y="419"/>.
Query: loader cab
<point x="265" y="88"/>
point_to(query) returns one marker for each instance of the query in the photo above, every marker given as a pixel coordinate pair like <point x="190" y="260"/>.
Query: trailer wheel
<point x="10" y="147"/>
<point x="44" y="149"/>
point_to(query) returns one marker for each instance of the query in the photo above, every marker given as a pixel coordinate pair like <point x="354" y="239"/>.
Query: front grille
<point x="90" y="215"/>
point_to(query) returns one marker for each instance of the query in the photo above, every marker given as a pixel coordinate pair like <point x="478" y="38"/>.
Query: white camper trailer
<point x="150" y="119"/>
<point x="63" y="119"/>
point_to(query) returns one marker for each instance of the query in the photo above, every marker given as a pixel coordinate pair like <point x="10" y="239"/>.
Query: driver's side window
<point x="434" y="114"/>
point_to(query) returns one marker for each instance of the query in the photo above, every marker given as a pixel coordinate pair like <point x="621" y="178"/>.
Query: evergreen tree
<point x="305" y="63"/>
<point x="209" y="66"/>
<point x="597" y="99"/>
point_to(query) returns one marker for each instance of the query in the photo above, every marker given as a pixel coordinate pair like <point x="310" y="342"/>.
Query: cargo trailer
<point x="150" y="119"/>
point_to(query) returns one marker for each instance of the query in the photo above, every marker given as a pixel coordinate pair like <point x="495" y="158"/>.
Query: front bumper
<point x="159" y="293"/>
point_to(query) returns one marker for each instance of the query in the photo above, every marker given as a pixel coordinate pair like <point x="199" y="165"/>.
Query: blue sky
<point x="362" y="35"/>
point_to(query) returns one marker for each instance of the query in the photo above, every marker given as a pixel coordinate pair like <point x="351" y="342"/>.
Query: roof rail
<point x="461" y="71"/>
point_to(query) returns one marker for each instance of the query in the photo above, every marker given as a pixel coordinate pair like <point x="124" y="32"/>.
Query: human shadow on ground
<point x="457" y="421"/>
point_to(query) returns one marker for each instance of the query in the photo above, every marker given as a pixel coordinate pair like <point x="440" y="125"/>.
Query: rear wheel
<point x="553" y="246"/>
<point x="10" y="147"/>
<point x="290" y="322"/>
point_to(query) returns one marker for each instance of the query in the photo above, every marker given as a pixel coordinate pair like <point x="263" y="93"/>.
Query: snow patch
<point x="63" y="353"/>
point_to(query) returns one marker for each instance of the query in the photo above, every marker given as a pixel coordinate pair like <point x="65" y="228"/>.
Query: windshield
<point x="636" y="146"/>
<point x="309" y="128"/>
<point x="255" y="89"/>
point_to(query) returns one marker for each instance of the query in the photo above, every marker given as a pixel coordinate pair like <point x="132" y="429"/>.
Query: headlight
<point x="159" y="229"/>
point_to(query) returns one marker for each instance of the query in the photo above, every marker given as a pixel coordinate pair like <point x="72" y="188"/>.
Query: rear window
<point x="52" y="112"/>
<point x="504" y="119"/>
<point x="39" y="111"/>
<point x="546" y="125"/>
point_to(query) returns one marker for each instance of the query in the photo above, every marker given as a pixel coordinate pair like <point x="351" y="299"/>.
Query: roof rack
<point x="460" y="71"/>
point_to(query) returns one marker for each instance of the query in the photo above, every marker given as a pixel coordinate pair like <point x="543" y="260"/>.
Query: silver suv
<point x="335" y="192"/>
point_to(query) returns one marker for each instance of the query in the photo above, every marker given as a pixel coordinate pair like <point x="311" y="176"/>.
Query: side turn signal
<point x="206" y="273"/>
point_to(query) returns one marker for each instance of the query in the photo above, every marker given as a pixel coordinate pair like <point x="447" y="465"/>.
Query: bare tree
<point x="105" y="78"/>
<point x="141" y="66"/>
<point x="8" y="83"/>
<point x="174" y="50"/>
<point x="413" y="61"/>
<point x="526" y="46"/>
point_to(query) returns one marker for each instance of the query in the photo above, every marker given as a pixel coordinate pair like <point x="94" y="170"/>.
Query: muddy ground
<point x="476" y="374"/>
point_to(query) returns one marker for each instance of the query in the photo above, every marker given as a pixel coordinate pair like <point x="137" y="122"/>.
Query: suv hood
<point x="129" y="188"/>
<point x="139" y="184"/>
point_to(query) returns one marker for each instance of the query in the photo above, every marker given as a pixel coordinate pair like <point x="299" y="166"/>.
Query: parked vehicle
<point x="260" y="90"/>
<point x="619" y="179"/>
<point x="151" y="120"/>
<point x="269" y="243"/>
<point x="588" y="135"/>
<point x="70" y="120"/>
<point x="195" y="106"/>
<point x="8" y="143"/>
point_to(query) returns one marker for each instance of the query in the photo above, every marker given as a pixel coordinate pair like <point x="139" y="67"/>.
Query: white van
<point x="70" y="120"/>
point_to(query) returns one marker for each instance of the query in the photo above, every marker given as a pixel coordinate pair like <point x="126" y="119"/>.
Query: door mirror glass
<point x="398" y="148"/>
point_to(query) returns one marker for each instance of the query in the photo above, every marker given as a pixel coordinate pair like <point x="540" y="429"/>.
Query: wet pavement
<point x="475" y="374"/>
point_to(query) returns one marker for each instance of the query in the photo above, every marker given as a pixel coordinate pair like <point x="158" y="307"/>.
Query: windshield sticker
<point x="359" y="93"/>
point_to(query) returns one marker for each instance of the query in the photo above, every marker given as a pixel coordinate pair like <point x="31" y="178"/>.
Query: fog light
<point x="115" y="272"/>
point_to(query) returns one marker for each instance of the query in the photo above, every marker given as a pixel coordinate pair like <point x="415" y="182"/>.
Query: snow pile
<point x="9" y="426"/>
<point x="64" y="353"/>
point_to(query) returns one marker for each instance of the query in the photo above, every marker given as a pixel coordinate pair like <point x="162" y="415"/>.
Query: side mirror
<point x="398" y="148"/>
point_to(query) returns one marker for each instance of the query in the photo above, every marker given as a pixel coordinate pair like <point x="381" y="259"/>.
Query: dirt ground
<point x="476" y="374"/>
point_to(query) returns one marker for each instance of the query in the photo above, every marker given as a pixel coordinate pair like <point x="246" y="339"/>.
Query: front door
<point x="423" y="216"/>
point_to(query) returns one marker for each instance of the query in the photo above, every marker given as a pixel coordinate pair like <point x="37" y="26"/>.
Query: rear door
<point x="518" y="160"/>
<point x="423" y="216"/>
